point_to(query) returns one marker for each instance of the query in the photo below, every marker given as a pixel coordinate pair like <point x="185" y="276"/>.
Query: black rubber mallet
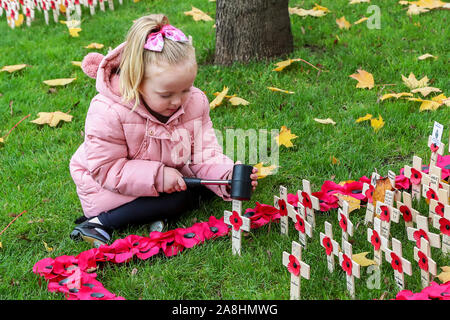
<point x="241" y="183"/>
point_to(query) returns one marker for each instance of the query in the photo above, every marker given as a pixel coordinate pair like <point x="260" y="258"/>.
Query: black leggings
<point x="145" y="210"/>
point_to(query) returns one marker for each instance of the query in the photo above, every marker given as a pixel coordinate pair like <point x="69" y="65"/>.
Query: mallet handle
<point x="192" y="182"/>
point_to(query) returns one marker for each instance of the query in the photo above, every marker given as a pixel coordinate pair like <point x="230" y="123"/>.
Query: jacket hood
<point x="104" y="70"/>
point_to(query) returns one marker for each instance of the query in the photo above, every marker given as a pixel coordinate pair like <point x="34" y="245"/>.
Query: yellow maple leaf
<point x="426" y="90"/>
<point x="303" y="12"/>
<point x="353" y="203"/>
<point x="74" y="32"/>
<point x="426" y="104"/>
<point x="361" y="20"/>
<point x="377" y="123"/>
<point x="364" y="78"/>
<point x="52" y="118"/>
<point x="428" y="4"/>
<point x="218" y="100"/>
<point x="77" y="63"/>
<point x="283" y="64"/>
<point x="264" y="171"/>
<point x="47" y="248"/>
<point x="412" y="83"/>
<point x="59" y="82"/>
<point x="343" y="23"/>
<point x="285" y="137"/>
<point x="198" y="15"/>
<point x="379" y="191"/>
<point x="413" y="10"/>
<point x="325" y="121"/>
<point x="444" y="276"/>
<point x="396" y="95"/>
<point x="426" y="56"/>
<point x="365" y="118"/>
<point x="13" y="68"/>
<point x="320" y="8"/>
<point x="236" y="101"/>
<point x="360" y="258"/>
<point x="94" y="45"/>
<point x="280" y="90"/>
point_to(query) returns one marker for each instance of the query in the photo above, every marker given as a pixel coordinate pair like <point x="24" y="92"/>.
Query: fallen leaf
<point x="377" y="123"/>
<point x="364" y="78"/>
<point x="320" y="8"/>
<point x="94" y="45"/>
<point x="264" y="171"/>
<point x="428" y="4"/>
<point x="13" y="68"/>
<point x="380" y="190"/>
<point x="353" y="203"/>
<point x="403" y="2"/>
<point x="47" y="248"/>
<point x="358" y="1"/>
<point x="365" y="118"/>
<point x="198" y="15"/>
<point x="325" y="121"/>
<point x="444" y="276"/>
<point x="415" y="10"/>
<point x="59" y="82"/>
<point x="343" y="23"/>
<point x="361" y="20"/>
<point x="426" y="90"/>
<point x="1" y="246"/>
<point x="303" y="12"/>
<point x="426" y="56"/>
<point x="74" y="32"/>
<point x="77" y="63"/>
<point x="283" y="64"/>
<point x="280" y="90"/>
<point x="412" y="83"/>
<point x="426" y="104"/>
<point x="360" y="258"/>
<point x="335" y="160"/>
<point x="218" y="100"/>
<point x="236" y="101"/>
<point x="396" y="95"/>
<point x="52" y="118"/>
<point x="285" y="137"/>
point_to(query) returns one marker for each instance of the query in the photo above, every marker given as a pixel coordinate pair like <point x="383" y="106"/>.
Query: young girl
<point x="145" y="130"/>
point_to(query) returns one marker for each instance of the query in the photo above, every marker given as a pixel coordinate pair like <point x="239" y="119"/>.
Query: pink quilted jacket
<point x="124" y="152"/>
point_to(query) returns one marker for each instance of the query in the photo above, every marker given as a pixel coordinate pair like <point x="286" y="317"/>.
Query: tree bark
<point x="252" y="30"/>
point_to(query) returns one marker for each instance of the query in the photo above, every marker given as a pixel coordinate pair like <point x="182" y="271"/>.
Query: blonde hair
<point x="135" y="58"/>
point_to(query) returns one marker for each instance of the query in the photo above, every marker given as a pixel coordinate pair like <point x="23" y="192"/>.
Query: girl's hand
<point x="173" y="180"/>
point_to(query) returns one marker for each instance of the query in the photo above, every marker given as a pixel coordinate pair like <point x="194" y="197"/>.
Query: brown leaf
<point x="380" y="190"/>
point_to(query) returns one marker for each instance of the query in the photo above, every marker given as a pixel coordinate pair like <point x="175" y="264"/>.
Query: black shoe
<point x="86" y="231"/>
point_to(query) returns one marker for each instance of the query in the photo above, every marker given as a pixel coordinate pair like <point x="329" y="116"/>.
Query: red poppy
<point x="347" y="264"/>
<point x="443" y="162"/>
<point x="369" y="194"/>
<point x="328" y="245"/>
<point x="306" y="200"/>
<point x="87" y="259"/>
<point x="293" y="265"/>
<point x="434" y="147"/>
<point x="354" y="189"/>
<point x="63" y="265"/>
<point x="375" y="240"/>
<point x="215" y="228"/>
<point x="406" y="212"/>
<point x="416" y="176"/>
<point x="419" y="234"/>
<point x="444" y="226"/>
<point x="401" y="182"/>
<point x="96" y="293"/>
<point x="343" y="223"/>
<point x="282" y="206"/>
<point x="396" y="262"/>
<point x="300" y="224"/>
<point x="292" y="199"/>
<point x="409" y="295"/>
<point x="385" y="214"/>
<point x="189" y="237"/>
<point x="431" y="194"/>
<point x="439" y="209"/>
<point x="438" y="291"/>
<point x="44" y="268"/>
<point x="236" y="221"/>
<point x="423" y="261"/>
<point x="262" y="215"/>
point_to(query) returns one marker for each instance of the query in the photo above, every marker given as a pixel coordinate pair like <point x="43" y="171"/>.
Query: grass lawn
<point x="34" y="161"/>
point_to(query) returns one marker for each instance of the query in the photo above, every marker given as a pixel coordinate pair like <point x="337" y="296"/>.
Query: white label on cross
<point x="436" y="136"/>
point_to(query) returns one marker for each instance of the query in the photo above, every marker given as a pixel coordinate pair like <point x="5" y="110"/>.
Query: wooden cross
<point x="331" y="246"/>
<point x="426" y="264"/>
<point x="406" y="210"/>
<point x="443" y="224"/>
<point x="391" y="177"/>
<point x="417" y="166"/>
<point x="350" y="267"/>
<point x="370" y="209"/>
<point x="301" y="225"/>
<point x="309" y="201"/>
<point x="414" y="234"/>
<point x="281" y="204"/>
<point x="296" y="267"/>
<point x="437" y="206"/>
<point x="344" y="222"/>
<point x="387" y="214"/>
<point x="434" y="179"/>
<point x="439" y="151"/>
<point x="238" y="224"/>
<point x="377" y="240"/>
<point x="398" y="263"/>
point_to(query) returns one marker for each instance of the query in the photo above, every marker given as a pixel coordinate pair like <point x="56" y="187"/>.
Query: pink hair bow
<point x="155" y="41"/>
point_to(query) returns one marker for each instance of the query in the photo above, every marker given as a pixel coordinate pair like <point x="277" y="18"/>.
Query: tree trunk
<point x="252" y="30"/>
